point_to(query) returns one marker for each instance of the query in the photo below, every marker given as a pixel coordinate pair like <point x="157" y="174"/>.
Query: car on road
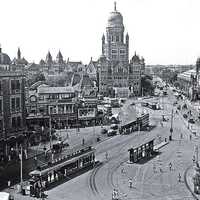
<point x="191" y="120"/>
<point x="104" y="131"/>
<point x="114" y="126"/>
<point x="111" y="132"/>
<point x="185" y="116"/>
<point x="132" y="104"/>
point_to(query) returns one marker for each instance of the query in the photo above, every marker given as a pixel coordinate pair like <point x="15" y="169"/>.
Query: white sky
<point x="162" y="31"/>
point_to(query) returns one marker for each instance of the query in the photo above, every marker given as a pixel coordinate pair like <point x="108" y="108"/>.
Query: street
<point x="147" y="184"/>
<point x="152" y="178"/>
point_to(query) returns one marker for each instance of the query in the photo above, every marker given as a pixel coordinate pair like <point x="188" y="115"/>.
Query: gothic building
<point x="51" y="66"/>
<point x="114" y="69"/>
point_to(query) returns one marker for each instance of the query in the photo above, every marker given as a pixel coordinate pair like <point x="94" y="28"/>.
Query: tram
<point x="63" y="168"/>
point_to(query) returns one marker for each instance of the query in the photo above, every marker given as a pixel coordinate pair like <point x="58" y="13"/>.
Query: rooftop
<point x="55" y="90"/>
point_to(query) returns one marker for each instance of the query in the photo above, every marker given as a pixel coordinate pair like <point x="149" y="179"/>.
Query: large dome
<point x="4" y="58"/>
<point x="115" y="19"/>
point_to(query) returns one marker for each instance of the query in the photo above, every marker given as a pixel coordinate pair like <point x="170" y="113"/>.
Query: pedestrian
<point x="154" y="168"/>
<point x="83" y="142"/>
<point x="170" y="166"/>
<point x="179" y="177"/>
<point x="130" y="183"/>
<point x="35" y="160"/>
<point x="181" y="136"/>
<point x="190" y="137"/>
<point x="106" y="155"/>
<point x="9" y="183"/>
<point x="193" y="159"/>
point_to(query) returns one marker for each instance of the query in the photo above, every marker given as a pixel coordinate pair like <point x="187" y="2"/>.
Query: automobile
<point x="191" y="120"/>
<point x="185" y="106"/>
<point x="104" y="131"/>
<point x="175" y="103"/>
<point x="185" y="116"/>
<point x="132" y="104"/>
<point x="111" y="132"/>
<point x="114" y="126"/>
<point x="179" y="107"/>
<point x="144" y="104"/>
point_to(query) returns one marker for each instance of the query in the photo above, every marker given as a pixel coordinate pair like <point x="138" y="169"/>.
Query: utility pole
<point x="50" y="131"/>
<point x="171" y="128"/>
<point x="197" y="153"/>
<point x="21" y="168"/>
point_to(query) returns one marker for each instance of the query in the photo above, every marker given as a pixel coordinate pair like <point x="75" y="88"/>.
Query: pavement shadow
<point x="147" y="159"/>
<point x="150" y="127"/>
<point x="68" y="178"/>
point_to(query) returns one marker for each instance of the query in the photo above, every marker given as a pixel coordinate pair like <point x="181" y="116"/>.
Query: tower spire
<point x="115" y="6"/>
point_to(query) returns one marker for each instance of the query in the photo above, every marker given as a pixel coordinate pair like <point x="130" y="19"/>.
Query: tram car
<point x="63" y="168"/>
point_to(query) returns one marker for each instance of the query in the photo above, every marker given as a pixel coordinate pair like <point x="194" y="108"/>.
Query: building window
<point x="15" y="86"/>
<point x="114" y="56"/>
<point x="13" y="104"/>
<point x="13" y="122"/>
<point x="114" y="51"/>
<point x="0" y="88"/>
<point x="1" y="125"/>
<point x="117" y="38"/>
<point x="1" y="106"/>
<point x="18" y="103"/>
<point x="19" y="121"/>
<point x="122" y="51"/>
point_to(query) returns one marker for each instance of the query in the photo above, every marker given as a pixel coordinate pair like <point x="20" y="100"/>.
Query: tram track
<point x="92" y="181"/>
<point x="118" y="160"/>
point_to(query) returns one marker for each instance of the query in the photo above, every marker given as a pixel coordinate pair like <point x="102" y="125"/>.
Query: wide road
<point x="161" y="184"/>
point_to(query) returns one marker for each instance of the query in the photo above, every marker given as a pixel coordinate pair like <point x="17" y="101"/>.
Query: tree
<point x="147" y="85"/>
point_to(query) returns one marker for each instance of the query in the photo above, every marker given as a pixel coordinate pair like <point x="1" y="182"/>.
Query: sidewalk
<point x="189" y="182"/>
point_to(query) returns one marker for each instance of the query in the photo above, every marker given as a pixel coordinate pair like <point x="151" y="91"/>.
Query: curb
<point x="186" y="183"/>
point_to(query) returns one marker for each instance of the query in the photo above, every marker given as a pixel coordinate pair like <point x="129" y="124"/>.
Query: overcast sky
<point x="162" y="31"/>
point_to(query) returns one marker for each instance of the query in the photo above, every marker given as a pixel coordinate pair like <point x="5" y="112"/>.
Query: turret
<point x="127" y="46"/>
<point x="197" y="66"/>
<point x="103" y="43"/>
<point x="127" y="39"/>
<point x="49" y="58"/>
<point x="18" y="54"/>
<point x="59" y="58"/>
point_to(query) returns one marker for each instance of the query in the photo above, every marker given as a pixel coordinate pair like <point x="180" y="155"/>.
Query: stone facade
<point x="114" y="68"/>
<point x="12" y="111"/>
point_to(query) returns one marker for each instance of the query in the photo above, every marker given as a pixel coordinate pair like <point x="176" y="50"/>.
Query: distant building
<point x="189" y="81"/>
<point x="114" y="68"/>
<point x="19" y="63"/>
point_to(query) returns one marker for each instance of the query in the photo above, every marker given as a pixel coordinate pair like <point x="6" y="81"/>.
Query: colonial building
<point x="114" y="68"/>
<point x="12" y="113"/>
<point x="19" y="63"/>
<point x="189" y="82"/>
<point x="4" y="61"/>
<point x="57" y="102"/>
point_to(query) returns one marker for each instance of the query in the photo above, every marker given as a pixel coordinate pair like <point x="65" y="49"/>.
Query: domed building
<point x="4" y="61"/>
<point x="114" y="69"/>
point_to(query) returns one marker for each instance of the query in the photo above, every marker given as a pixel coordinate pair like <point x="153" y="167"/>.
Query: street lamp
<point x="171" y="128"/>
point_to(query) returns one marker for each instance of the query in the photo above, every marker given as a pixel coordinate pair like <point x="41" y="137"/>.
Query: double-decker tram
<point x="63" y="168"/>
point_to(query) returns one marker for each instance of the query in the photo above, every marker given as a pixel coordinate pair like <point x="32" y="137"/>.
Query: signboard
<point x="84" y="113"/>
